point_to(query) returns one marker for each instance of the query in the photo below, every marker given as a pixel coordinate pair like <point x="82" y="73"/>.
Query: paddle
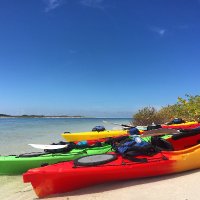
<point x="48" y="146"/>
<point x="162" y="130"/>
<point x="154" y="132"/>
<point x="159" y="132"/>
<point x="124" y="125"/>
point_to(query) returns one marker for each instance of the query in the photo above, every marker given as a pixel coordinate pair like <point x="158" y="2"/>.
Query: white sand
<point x="183" y="186"/>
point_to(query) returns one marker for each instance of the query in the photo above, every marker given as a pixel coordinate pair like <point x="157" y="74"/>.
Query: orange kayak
<point x="96" y="169"/>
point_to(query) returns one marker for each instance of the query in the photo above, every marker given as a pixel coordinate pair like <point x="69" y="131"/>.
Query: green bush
<point x="188" y="109"/>
<point x="147" y="116"/>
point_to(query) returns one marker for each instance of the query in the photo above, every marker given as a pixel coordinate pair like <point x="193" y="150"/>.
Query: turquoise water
<point x="17" y="133"/>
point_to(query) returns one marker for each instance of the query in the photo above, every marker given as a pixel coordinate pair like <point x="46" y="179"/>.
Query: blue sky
<point x="97" y="57"/>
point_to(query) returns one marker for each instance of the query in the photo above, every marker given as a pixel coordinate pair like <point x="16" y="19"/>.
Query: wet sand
<point x="182" y="186"/>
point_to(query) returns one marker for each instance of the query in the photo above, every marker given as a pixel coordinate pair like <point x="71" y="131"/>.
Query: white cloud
<point x="159" y="31"/>
<point x="92" y="3"/>
<point x="52" y="4"/>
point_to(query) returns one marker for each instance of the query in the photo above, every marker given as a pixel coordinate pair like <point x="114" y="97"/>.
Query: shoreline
<point x="42" y="117"/>
<point x="70" y="117"/>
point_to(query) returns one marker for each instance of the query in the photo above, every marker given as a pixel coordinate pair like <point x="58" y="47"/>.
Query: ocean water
<point x="17" y="133"/>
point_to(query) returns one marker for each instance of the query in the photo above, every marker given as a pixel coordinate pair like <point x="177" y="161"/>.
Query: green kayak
<point x="18" y="164"/>
<point x="13" y="165"/>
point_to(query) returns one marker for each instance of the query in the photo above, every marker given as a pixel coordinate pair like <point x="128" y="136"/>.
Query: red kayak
<point x="96" y="169"/>
<point x="188" y="125"/>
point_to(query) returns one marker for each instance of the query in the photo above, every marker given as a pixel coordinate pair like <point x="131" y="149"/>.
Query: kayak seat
<point x="186" y="133"/>
<point x="99" y="128"/>
<point x="176" y="121"/>
<point x="148" y="150"/>
<point x="94" y="160"/>
<point x="161" y="144"/>
<point x="32" y="154"/>
<point x="153" y="127"/>
<point x="131" y="155"/>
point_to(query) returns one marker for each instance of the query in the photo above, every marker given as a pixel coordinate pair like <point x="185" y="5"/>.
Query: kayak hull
<point x="93" y="135"/>
<point x="187" y="125"/>
<point x="66" y="176"/>
<point x="13" y="165"/>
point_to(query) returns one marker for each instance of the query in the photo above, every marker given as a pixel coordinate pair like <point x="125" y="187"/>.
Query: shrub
<point x="188" y="109"/>
<point x="147" y="116"/>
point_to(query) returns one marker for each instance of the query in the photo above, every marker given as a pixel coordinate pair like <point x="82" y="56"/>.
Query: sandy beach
<point x="182" y="186"/>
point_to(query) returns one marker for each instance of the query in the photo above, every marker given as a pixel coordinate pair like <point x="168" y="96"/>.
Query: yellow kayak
<point x="93" y="135"/>
<point x="186" y="124"/>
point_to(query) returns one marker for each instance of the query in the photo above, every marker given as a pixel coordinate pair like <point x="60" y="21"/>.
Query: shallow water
<point x="17" y="133"/>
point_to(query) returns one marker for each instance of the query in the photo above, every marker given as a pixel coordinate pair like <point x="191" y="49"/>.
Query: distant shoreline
<point x="39" y="116"/>
<point x="4" y="116"/>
